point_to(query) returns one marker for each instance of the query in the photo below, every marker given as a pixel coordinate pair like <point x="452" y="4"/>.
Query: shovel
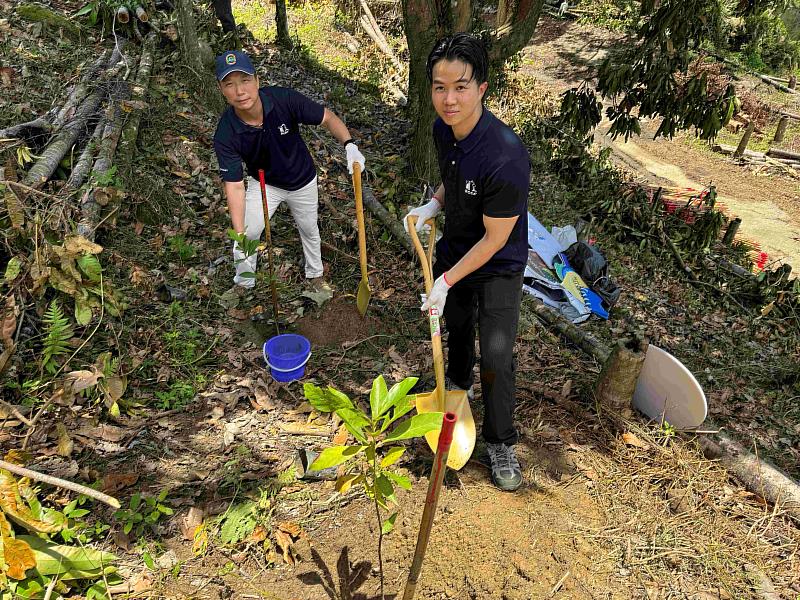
<point x="364" y="293"/>
<point x="440" y="400"/>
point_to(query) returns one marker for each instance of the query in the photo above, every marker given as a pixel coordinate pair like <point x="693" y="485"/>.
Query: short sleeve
<point x="230" y="162"/>
<point x="305" y="110"/>
<point x="506" y="189"/>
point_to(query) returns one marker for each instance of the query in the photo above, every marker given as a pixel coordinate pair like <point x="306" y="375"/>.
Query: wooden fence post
<point x="780" y="132"/>
<point x="730" y="232"/>
<point x="745" y="140"/>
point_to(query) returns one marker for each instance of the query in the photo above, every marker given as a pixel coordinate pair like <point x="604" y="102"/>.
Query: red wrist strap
<point x="444" y="276"/>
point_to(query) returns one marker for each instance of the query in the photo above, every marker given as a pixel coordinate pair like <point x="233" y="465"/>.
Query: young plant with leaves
<point x="368" y="461"/>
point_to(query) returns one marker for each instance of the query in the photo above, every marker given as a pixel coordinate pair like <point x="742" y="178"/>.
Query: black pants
<point x="491" y="302"/>
<point x="225" y="14"/>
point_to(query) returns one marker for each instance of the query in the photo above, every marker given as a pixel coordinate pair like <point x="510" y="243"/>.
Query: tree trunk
<point x="197" y="55"/>
<point x="617" y="381"/>
<point x="282" y="25"/>
<point x="780" y="132"/>
<point x="730" y="232"/>
<point x="425" y="23"/>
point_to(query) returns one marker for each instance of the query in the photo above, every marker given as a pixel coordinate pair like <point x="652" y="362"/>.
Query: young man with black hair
<point x="480" y="259"/>
<point x="261" y="128"/>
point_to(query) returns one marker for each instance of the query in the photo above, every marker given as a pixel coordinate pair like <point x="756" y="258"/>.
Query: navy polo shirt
<point x="276" y="146"/>
<point x="486" y="173"/>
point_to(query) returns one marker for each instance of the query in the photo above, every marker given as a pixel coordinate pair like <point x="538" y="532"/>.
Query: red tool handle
<point x="431" y="500"/>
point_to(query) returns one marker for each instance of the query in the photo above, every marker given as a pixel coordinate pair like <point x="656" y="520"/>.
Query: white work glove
<point x="354" y="156"/>
<point x="438" y="295"/>
<point x="427" y="211"/>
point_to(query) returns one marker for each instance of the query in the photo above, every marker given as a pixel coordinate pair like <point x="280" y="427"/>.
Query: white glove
<point x="354" y="156"/>
<point x="424" y="212"/>
<point x="438" y="295"/>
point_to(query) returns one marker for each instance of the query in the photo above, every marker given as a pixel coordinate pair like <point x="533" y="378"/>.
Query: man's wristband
<point x="439" y="200"/>
<point x="444" y="276"/>
<point x="348" y="141"/>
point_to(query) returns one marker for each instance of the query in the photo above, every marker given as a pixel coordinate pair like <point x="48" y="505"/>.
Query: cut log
<point x="780" y="131"/>
<point x="48" y="161"/>
<point x="582" y="339"/>
<point x="28" y="130"/>
<point x="730" y="232"/>
<point x="138" y="94"/>
<point x="757" y="475"/>
<point x="122" y="15"/>
<point x="84" y="164"/>
<point x="90" y="207"/>
<point x="725" y="149"/>
<point x="740" y="149"/>
<point x="617" y="380"/>
<point x="141" y="14"/>
<point x="784" y="154"/>
<point x="83" y="88"/>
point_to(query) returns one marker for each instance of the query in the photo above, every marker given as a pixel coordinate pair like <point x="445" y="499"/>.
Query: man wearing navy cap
<point x="261" y="128"/>
<point x="481" y="257"/>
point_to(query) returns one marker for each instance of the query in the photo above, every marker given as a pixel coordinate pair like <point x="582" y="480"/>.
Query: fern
<point x="58" y="333"/>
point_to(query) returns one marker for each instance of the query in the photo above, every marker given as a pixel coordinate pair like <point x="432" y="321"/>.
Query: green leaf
<point x="398" y="393"/>
<point x="335" y="455"/>
<point x="136" y="500"/>
<point x="69" y="562"/>
<point x="90" y="266"/>
<point x="326" y="400"/>
<point x="388" y="524"/>
<point x="399" y="480"/>
<point x="83" y="312"/>
<point x="377" y="397"/>
<point x="85" y="9"/>
<point x="416" y="426"/>
<point x="355" y="421"/>
<point x="238" y="522"/>
<point x="385" y="487"/>
<point x="148" y="560"/>
<point x="392" y="456"/>
<point x="344" y="482"/>
<point x="12" y="269"/>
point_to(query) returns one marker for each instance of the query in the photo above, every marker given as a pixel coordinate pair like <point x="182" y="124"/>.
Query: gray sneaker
<point x="506" y="472"/>
<point x="449" y="385"/>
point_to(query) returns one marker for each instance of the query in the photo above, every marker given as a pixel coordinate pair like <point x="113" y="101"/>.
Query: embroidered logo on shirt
<point x="283" y="129"/>
<point x="470" y="188"/>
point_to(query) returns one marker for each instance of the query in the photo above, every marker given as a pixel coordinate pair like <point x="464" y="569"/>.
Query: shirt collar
<point x="471" y="141"/>
<point x="240" y="126"/>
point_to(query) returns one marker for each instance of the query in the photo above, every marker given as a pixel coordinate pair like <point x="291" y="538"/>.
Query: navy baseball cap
<point x="233" y="60"/>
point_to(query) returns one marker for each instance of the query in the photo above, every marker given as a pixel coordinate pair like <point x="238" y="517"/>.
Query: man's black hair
<point x="464" y="47"/>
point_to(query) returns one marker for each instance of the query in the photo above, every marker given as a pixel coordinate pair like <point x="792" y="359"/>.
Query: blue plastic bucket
<point x="286" y="356"/>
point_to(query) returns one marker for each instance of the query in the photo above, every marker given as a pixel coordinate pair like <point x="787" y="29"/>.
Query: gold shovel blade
<point x="456" y="401"/>
<point x="363" y="296"/>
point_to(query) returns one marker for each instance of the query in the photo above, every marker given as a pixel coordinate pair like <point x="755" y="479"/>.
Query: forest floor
<point x="600" y="515"/>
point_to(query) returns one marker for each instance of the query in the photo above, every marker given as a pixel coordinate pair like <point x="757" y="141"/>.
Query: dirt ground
<point x="563" y="54"/>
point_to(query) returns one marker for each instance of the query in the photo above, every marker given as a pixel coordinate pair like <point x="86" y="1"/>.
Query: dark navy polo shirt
<point x="276" y="146"/>
<point x="486" y="173"/>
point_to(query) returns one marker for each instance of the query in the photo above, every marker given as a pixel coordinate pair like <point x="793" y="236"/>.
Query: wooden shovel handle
<point x="426" y="258"/>
<point x="362" y="233"/>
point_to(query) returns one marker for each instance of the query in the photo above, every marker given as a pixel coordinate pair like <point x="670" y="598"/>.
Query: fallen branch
<point x="84" y="164"/>
<point x="583" y="340"/>
<point x="82" y="89"/>
<point x="62" y="483"/>
<point x="385" y="217"/>
<point x="758" y="476"/>
<point x="141" y="85"/>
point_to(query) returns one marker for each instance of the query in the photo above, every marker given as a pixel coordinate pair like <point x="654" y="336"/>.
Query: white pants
<point x="303" y="203"/>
